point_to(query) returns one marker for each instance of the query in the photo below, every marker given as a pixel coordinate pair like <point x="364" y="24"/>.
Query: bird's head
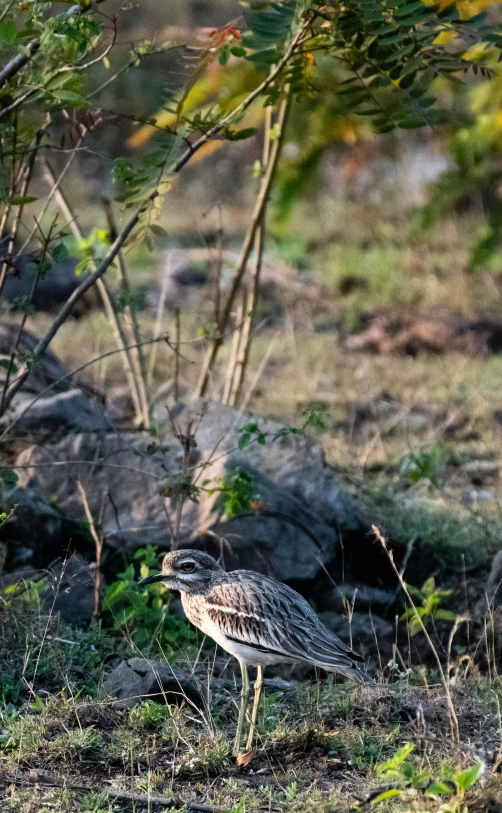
<point x="185" y="570"/>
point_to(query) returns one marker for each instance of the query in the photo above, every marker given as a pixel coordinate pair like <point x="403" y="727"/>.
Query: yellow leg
<point x="258" y="686"/>
<point x="243" y="708"/>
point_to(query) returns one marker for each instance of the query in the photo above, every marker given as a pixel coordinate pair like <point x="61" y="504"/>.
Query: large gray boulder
<point x="133" y="483"/>
<point x="36" y="532"/>
<point x="68" y="588"/>
<point x="63" y="411"/>
<point x="49" y="400"/>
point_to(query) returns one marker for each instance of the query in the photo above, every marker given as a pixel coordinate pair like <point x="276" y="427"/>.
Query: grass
<point x="36" y="648"/>
<point x="317" y="752"/>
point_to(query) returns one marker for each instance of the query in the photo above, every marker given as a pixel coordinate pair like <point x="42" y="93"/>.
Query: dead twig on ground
<point x="48" y="781"/>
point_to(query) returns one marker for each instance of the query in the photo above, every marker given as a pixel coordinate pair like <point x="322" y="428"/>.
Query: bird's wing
<point x="269" y="616"/>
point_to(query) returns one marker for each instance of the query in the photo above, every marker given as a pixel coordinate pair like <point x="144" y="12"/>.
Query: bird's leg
<point x="242" y="710"/>
<point x="258" y="686"/>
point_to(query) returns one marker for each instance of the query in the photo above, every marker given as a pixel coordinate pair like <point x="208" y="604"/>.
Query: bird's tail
<point x="353" y="672"/>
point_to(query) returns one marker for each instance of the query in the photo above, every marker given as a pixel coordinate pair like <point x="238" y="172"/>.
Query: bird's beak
<point x="158" y="577"/>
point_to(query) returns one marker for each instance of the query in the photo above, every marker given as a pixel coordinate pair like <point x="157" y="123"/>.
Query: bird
<point x="258" y="620"/>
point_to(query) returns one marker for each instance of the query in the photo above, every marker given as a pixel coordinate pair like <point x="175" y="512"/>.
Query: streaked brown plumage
<point x="255" y="618"/>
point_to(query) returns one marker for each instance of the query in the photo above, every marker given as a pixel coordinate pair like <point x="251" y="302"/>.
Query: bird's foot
<point x="243" y="758"/>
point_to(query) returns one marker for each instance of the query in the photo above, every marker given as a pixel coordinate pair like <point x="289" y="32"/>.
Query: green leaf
<point x="68" y="96"/>
<point x="387" y="794"/>
<point x="60" y="253"/>
<point x="445" y="615"/>
<point x="397" y="760"/>
<point x="412" y="124"/>
<point x="8" y="365"/>
<point x="22" y="201"/>
<point x="9" y="477"/>
<point x="8" y="31"/>
<point x="239" y="135"/>
<point x="158" y="231"/>
<point x="437" y="788"/>
<point x="469" y="777"/>
<point x="244" y="440"/>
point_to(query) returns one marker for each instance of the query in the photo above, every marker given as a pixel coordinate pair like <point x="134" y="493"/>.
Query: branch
<point x="107" y="300"/>
<point x="48" y="781"/>
<point x="70" y="303"/>
<point x="20" y="60"/>
<point x="241" y="264"/>
<point x="162" y="338"/>
<point x="241" y="108"/>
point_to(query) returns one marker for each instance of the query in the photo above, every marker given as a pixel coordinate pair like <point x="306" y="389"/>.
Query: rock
<point x="139" y="679"/>
<point x="71" y="590"/>
<point x="492" y="598"/>
<point x="62" y="407"/>
<point x="51" y="290"/>
<point x="362" y="596"/>
<point x="49" y="371"/>
<point x="36" y="533"/>
<point x="289" y="475"/>
<point x="366" y="629"/>
<point x="64" y="411"/>
<point x="188" y="278"/>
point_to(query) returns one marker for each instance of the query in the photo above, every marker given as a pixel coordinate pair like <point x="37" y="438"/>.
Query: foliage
<point x="451" y="782"/>
<point x="235" y="491"/>
<point x="143" y="616"/>
<point x="426" y="464"/>
<point x="475" y="176"/>
<point x="429" y="611"/>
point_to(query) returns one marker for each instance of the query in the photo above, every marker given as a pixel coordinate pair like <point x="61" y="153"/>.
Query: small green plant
<point x="426" y="464"/>
<point x="407" y="781"/>
<point x="235" y="491"/>
<point x="364" y="746"/>
<point x="149" y="715"/>
<point x="143" y="615"/>
<point x="429" y="610"/>
<point x="77" y="744"/>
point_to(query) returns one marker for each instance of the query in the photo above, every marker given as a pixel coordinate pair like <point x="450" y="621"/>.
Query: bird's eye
<point x="188" y="567"/>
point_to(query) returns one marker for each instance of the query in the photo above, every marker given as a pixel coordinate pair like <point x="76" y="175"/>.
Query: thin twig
<point x="451" y="708"/>
<point x="107" y="300"/>
<point x="22" y="194"/>
<point x="73" y="372"/>
<point x="78" y="293"/>
<point x="177" y="340"/>
<point x="130" y="320"/>
<point x="241" y="264"/>
<point x="251" y="300"/>
<point x="243" y="106"/>
<point x="98" y="542"/>
<point x="158" y="322"/>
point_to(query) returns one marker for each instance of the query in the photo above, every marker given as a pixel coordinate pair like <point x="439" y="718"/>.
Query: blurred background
<point x="380" y="300"/>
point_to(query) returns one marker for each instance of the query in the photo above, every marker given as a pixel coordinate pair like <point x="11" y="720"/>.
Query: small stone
<point x="139" y="679"/>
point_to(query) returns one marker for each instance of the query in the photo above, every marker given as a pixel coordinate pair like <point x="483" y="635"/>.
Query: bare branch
<point x="70" y="303"/>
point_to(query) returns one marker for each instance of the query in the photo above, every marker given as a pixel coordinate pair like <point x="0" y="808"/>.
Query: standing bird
<point x="258" y="620"/>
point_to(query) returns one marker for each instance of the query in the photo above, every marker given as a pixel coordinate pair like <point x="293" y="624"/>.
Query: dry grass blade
<point x="444" y="680"/>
